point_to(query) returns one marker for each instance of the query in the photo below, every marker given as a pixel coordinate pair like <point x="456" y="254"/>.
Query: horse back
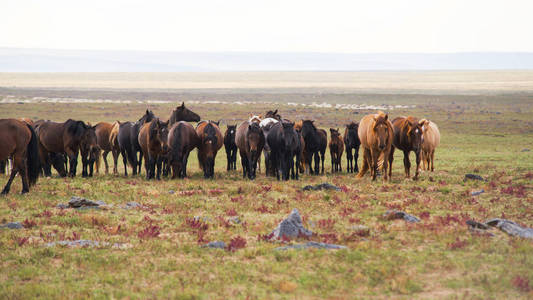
<point x="14" y="137"/>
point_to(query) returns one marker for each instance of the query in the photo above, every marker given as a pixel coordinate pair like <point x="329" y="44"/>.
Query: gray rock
<point x="76" y="202"/>
<point x="203" y="219"/>
<point x="397" y="214"/>
<point x="132" y="205"/>
<point x="322" y="186"/>
<point x="235" y="220"/>
<point x="476" y="193"/>
<point x="85" y="243"/>
<point x="292" y="227"/>
<point x="526" y="150"/>
<point x="511" y="228"/>
<point x="216" y="245"/>
<point x="171" y="192"/>
<point x="473" y="177"/>
<point x="62" y="206"/>
<point x="12" y="225"/>
<point x="315" y="245"/>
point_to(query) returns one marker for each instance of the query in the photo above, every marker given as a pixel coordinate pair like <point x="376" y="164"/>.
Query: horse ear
<point x="147" y="112"/>
<point x="386" y="117"/>
<point x="260" y="116"/>
<point x="276" y="111"/>
<point x="183" y="104"/>
<point x="165" y="124"/>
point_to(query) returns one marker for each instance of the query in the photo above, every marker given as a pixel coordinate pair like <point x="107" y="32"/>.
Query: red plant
<point x="354" y="220"/>
<point x="23" y="240"/>
<point x="231" y="212"/>
<point x="215" y="192"/>
<point x="263" y="209"/>
<point x="236" y="243"/>
<point x="266" y="188"/>
<point x="29" y="223"/>
<point x="224" y="222"/>
<point x="75" y="236"/>
<point x="201" y="237"/>
<point x="151" y="231"/>
<point x="237" y="199"/>
<point x="329" y="237"/>
<point x="326" y="223"/>
<point x="424" y="215"/>
<point x="458" y="244"/>
<point x="45" y="213"/>
<point x="346" y="211"/>
<point x="196" y="224"/>
<point x="528" y="175"/>
<point x="265" y="237"/>
<point x="521" y="283"/>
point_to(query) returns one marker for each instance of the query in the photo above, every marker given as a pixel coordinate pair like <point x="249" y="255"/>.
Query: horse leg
<point x="115" y="161"/>
<point x="125" y="161"/>
<point x="406" y="164"/>
<point x="244" y="164"/>
<point x="322" y="156"/>
<point x="104" y="156"/>
<point x="355" y="158"/>
<point x="84" y="164"/>
<point x="147" y="166"/>
<point x="391" y="159"/>
<point x="228" y="158"/>
<point x="159" y="161"/>
<point x="316" y="157"/>
<point x="333" y="166"/>
<point x="365" y="166"/>
<point x="72" y="155"/>
<point x="417" y="164"/>
<point x="432" y="160"/>
<point x="5" y="191"/>
<point x="374" y="163"/>
<point x="140" y="161"/>
<point x="386" y="156"/>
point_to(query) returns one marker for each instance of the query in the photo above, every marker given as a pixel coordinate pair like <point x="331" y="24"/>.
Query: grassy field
<point x="487" y="134"/>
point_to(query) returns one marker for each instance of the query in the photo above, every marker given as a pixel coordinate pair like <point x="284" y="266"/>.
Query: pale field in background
<point x="445" y="82"/>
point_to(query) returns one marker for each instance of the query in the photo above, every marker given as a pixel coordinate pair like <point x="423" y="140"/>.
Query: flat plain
<point x="486" y="127"/>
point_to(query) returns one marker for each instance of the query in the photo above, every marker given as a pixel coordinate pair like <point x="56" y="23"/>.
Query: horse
<point x="231" y="148"/>
<point x="90" y="152"/>
<point x="266" y="125"/>
<point x="67" y="138"/>
<point x="430" y="141"/>
<point x="56" y="160"/>
<point x="181" y="113"/>
<point x="128" y="142"/>
<point x="182" y="139"/>
<point x="336" y="147"/>
<point x="323" y="145"/>
<point x="407" y="137"/>
<point x="153" y="139"/>
<point x="19" y="141"/>
<point x="210" y="141"/>
<point x="106" y="137"/>
<point x="250" y="140"/>
<point x="27" y="121"/>
<point x="375" y="133"/>
<point x="314" y="145"/>
<point x="284" y="143"/>
<point x="255" y="118"/>
<point x="351" y="141"/>
<point x="273" y="114"/>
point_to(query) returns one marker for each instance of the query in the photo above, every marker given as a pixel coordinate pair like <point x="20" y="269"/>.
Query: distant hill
<point x="49" y="60"/>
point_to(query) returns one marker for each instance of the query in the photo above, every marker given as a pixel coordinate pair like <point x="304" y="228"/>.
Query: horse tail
<point x="97" y="161"/>
<point x="33" y="162"/>
<point x="381" y="159"/>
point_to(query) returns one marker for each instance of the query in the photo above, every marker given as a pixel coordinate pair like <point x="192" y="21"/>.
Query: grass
<point x="437" y="258"/>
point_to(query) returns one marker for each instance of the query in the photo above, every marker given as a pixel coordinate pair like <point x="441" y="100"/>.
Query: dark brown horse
<point x="316" y="142"/>
<point x="250" y="141"/>
<point x="181" y="113"/>
<point x="182" y="139"/>
<point x="336" y="147"/>
<point x="128" y="142"/>
<point x="408" y="134"/>
<point x="376" y="134"/>
<point x="231" y="148"/>
<point x="351" y="141"/>
<point x="285" y="147"/>
<point x="209" y="142"/>
<point x="153" y="139"/>
<point x="108" y="143"/>
<point x="68" y="138"/>
<point x="19" y="142"/>
<point x="273" y="114"/>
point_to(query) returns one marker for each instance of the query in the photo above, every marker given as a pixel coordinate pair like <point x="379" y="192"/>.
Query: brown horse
<point x="336" y="147"/>
<point x="19" y="141"/>
<point x="182" y="139"/>
<point x="231" y="148"/>
<point x="407" y="137"/>
<point x="273" y="114"/>
<point x="181" y="113"/>
<point x="430" y="141"/>
<point x="376" y="134"/>
<point x="108" y="143"/>
<point x="210" y="141"/>
<point x="351" y="141"/>
<point x="69" y="137"/>
<point x="153" y="138"/>
<point x="27" y="121"/>
<point x="250" y="140"/>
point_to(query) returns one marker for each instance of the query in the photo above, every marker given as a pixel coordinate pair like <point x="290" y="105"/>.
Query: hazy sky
<point x="270" y="25"/>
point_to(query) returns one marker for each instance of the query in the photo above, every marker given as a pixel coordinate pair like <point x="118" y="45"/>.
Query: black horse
<point x="231" y="147"/>
<point x="128" y="142"/>
<point x="284" y="144"/>
<point x="181" y="113"/>
<point x="315" y="145"/>
<point x="351" y="141"/>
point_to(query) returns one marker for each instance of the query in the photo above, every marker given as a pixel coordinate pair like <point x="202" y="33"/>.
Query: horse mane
<point x="352" y="125"/>
<point x="309" y="123"/>
<point x="153" y="124"/>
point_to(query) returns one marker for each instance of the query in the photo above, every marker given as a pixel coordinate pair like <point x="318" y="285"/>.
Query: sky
<point x="370" y="26"/>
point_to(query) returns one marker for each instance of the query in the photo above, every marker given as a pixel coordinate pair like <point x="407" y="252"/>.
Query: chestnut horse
<point x="376" y="134"/>
<point x="182" y="139"/>
<point x="19" y="142"/>
<point x="336" y="147"/>
<point x="231" y="148"/>
<point x="430" y="142"/>
<point x="181" y="113"/>
<point x="351" y="141"/>
<point x="210" y="141"/>
<point x="69" y="137"/>
<point x="250" y="140"/>
<point x="407" y="137"/>
<point x="153" y="138"/>
<point x="108" y="143"/>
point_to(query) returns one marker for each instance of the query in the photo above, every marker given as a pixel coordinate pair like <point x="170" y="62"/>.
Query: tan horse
<point x="430" y="142"/>
<point x="376" y="134"/>
<point x="107" y="144"/>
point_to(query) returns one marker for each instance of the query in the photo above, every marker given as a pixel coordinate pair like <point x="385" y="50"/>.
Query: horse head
<point x="414" y="131"/>
<point x="273" y="114"/>
<point x="159" y="134"/>
<point x="181" y="113"/>
<point x="382" y="129"/>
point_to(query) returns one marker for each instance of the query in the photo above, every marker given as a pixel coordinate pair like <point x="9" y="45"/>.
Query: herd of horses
<point x="289" y="148"/>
